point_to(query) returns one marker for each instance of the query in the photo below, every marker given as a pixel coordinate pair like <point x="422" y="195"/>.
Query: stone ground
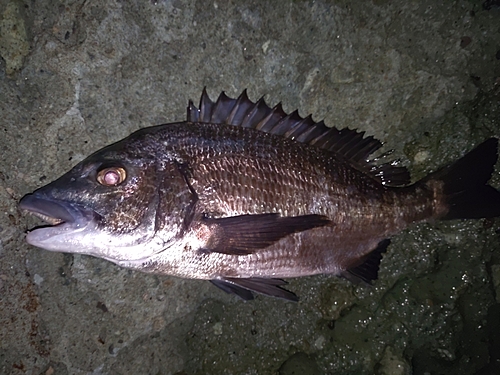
<point x="422" y="76"/>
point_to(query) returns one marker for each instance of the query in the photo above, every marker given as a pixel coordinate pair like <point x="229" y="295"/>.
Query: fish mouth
<point x="63" y="218"/>
<point x="52" y="211"/>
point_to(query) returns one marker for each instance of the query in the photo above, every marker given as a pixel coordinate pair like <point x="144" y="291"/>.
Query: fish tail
<point x="464" y="187"/>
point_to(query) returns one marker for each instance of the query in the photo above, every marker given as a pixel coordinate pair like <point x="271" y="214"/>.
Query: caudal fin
<point x="465" y="184"/>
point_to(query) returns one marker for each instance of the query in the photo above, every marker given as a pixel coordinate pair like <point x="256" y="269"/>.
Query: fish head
<point x="123" y="204"/>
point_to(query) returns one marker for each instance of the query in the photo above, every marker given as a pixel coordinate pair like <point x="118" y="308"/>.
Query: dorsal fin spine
<point x="241" y="99"/>
<point x="297" y="128"/>
<point x="247" y="122"/>
<point x="275" y="116"/>
<point x="205" y="106"/>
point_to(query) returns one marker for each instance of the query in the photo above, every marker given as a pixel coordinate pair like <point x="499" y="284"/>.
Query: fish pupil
<point x="111" y="178"/>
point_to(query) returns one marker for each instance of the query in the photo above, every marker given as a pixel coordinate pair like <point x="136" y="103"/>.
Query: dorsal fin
<point x="350" y="144"/>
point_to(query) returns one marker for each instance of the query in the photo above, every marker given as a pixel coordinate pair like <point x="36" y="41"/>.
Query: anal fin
<point x="244" y="287"/>
<point x="366" y="270"/>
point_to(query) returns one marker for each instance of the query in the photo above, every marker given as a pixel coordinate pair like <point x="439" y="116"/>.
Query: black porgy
<point x="245" y="195"/>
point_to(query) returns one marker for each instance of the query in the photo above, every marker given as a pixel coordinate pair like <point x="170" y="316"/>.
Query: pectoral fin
<point x="246" y="234"/>
<point x="243" y="288"/>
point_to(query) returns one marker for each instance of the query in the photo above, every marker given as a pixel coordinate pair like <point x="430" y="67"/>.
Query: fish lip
<point x="56" y="212"/>
<point x="67" y="221"/>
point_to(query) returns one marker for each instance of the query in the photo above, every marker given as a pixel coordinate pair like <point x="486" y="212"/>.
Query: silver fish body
<point x="243" y="195"/>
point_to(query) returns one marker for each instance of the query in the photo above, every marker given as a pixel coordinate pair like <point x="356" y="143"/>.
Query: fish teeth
<point x="49" y="219"/>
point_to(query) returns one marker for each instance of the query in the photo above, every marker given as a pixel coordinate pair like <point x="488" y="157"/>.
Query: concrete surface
<point x="75" y="76"/>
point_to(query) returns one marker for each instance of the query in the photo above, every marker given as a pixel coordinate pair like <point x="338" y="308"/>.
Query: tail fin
<point x="465" y="184"/>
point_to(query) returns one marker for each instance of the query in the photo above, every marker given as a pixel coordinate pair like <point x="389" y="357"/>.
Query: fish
<point x="246" y="195"/>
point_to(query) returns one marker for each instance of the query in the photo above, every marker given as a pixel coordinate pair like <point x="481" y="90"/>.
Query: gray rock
<point x="420" y="76"/>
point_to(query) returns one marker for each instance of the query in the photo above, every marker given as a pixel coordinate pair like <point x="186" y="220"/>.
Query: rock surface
<point x="77" y="75"/>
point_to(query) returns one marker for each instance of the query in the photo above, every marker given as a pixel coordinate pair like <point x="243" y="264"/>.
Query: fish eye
<point x="111" y="176"/>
